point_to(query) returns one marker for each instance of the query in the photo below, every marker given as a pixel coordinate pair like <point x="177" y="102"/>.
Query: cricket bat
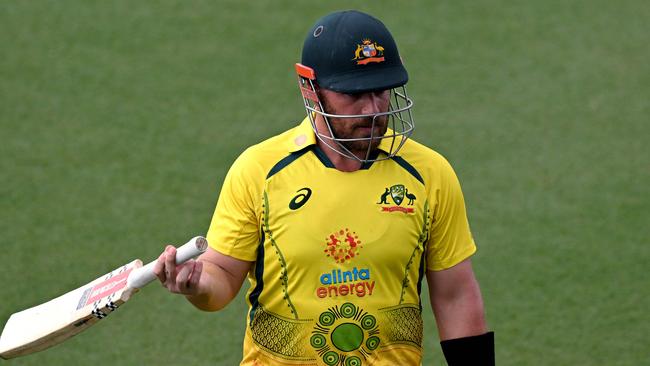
<point x="48" y="324"/>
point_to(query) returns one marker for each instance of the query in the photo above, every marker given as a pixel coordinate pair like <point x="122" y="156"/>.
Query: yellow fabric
<point x="341" y="255"/>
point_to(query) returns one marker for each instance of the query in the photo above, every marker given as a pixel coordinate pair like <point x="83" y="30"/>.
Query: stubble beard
<point x="356" y="128"/>
<point x="351" y="128"/>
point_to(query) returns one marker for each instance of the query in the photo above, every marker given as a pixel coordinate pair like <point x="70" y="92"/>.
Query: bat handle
<point x="143" y="275"/>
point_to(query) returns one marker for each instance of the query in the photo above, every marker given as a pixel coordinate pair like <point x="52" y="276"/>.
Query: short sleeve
<point x="450" y="239"/>
<point x="234" y="229"/>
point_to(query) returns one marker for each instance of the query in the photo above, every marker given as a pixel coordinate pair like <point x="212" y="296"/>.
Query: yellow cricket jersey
<point x="339" y="256"/>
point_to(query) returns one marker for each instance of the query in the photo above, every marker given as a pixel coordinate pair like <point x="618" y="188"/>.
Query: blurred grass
<point x="119" y="120"/>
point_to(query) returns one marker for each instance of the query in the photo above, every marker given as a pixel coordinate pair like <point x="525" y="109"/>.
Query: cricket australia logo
<point x="368" y="51"/>
<point x="397" y="194"/>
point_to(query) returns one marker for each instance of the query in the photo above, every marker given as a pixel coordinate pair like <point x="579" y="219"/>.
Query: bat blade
<point x="48" y="324"/>
<point x="53" y="322"/>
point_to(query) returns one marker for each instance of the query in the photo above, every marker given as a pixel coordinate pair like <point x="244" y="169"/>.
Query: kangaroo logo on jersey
<point x="397" y="193"/>
<point x="342" y="245"/>
<point x="368" y="51"/>
<point x="300" y="199"/>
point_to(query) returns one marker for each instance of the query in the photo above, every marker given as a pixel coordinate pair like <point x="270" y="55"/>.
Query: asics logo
<point x="300" y="199"/>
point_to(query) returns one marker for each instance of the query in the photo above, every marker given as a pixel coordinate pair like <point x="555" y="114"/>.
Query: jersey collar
<point x="385" y="144"/>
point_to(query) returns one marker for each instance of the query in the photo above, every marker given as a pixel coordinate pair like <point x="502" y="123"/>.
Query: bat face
<point x="53" y="322"/>
<point x="45" y="325"/>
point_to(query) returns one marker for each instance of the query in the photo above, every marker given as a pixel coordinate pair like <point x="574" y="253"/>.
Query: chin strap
<point x="470" y="351"/>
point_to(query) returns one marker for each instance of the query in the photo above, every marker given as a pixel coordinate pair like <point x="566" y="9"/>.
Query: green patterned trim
<point x="284" y="278"/>
<point x="403" y="324"/>
<point x="424" y="234"/>
<point x="283" y="337"/>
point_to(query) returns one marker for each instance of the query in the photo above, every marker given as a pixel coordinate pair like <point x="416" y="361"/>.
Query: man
<point x="336" y="223"/>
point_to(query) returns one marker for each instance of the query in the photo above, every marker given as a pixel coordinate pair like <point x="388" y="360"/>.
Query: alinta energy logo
<point x="355" y="282"/>
<point x="343" y="245"/>
<point x="397" y="193"/>
<point x="345" y="335"/>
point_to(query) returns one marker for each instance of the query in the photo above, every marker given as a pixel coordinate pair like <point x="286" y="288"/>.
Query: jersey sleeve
<point x="450" y="239"/>
<point x="234" y="227"/>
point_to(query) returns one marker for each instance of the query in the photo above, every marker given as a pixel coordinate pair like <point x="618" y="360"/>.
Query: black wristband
<point x="470" y="351"/>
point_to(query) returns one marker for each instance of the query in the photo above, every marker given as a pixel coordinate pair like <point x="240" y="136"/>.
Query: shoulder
<point x="247" y="175"/>
<point x="430" y="164"/>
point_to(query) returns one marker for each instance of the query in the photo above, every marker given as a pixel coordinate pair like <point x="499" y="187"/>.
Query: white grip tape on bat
<point x="142" y="276"/>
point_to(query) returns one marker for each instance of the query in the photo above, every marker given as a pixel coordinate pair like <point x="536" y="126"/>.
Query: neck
<point x="339" y="161"/>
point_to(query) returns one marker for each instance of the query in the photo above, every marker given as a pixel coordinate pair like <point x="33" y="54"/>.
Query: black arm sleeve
<point x="470" y="351"/>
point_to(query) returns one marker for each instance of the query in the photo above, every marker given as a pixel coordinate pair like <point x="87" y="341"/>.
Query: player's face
<point x="360" y="127"/>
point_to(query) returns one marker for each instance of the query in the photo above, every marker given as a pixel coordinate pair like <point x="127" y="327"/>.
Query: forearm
<point x="215" y="288"/>
<point x="456" y="301"/>
<point x="464" y="338"/>
<point x="461" y="314"/>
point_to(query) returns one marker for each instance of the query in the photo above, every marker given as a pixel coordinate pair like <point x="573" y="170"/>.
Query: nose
<point x="373" y="102"/>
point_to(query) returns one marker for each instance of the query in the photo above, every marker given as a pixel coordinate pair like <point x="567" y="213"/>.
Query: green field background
<point x="119" y="120"/>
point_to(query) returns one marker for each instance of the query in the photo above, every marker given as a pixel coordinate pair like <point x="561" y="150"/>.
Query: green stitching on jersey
<point x="424" y="234"/>
<point x="284" y="278"/>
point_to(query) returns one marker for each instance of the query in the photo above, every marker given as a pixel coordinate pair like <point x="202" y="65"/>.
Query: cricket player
<point x="337" y="222"/>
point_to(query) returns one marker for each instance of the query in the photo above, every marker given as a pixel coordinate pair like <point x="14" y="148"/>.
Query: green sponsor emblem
<point x="345" y="335"/>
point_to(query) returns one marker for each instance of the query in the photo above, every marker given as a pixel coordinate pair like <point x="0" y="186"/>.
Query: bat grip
<point x="143" y="275"/>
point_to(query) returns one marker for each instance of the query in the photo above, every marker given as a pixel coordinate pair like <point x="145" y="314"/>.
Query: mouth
<point x="368" y="130"/>
<point x="365" y="127"/>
